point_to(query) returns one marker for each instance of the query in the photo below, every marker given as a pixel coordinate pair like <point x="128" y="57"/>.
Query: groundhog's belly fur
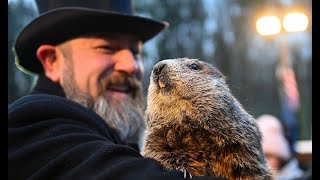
<point x="194" y="124"/>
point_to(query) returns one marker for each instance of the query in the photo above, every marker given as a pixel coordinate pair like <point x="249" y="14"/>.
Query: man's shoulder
<point x="36" y="99"/>
<point x="45" y="104"/>
<point x="34" y="108"/>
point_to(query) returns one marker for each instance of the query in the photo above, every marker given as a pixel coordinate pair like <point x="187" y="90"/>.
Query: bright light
<point x="293" y="22"/>
<point x="268" y="25"/>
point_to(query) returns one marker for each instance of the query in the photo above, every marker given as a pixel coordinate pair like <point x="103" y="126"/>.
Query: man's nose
<point x="125" y="62"/>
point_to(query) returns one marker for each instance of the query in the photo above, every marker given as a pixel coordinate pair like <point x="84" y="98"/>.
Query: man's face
<point x="104" y="73"/>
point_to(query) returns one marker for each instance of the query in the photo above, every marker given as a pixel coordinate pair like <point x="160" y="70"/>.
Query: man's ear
<point x="47" y="55"/>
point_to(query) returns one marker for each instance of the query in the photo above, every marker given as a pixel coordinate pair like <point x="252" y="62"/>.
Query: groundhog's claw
<point x="185" y="173"/>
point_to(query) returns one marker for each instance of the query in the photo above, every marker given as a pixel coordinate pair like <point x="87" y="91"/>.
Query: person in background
<point x="276" y="148"/>
<point x="84" y="117"/>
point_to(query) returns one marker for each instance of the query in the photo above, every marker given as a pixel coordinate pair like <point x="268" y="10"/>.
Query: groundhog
<point x="194" y="124"/>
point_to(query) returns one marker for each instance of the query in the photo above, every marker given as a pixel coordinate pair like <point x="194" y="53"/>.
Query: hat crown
<point x="120" y="6"/>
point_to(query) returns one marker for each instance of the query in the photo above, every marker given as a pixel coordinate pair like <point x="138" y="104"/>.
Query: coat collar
<point x="45" y="85"/>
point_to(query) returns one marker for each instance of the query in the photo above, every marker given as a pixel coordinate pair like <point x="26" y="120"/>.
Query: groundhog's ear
<point x="48" y="58"/>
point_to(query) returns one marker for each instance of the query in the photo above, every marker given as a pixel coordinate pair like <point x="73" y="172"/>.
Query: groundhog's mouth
<point x="161" y="81"/>
<point x="160" y="76"/>
<point x="161" y="84"/>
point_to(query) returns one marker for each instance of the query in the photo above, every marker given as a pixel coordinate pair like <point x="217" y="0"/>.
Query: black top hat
<point x="61" y="20"/>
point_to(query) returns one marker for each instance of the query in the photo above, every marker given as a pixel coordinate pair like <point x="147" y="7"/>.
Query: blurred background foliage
<point x="221" y="32"/>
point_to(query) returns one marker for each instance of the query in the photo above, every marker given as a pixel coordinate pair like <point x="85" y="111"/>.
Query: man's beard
<point x="124" y="116"/>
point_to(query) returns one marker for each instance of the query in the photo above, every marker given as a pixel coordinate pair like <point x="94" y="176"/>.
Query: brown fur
<point x="194" y="123"/>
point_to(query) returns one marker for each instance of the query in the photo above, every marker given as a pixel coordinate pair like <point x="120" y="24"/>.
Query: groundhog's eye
<point x="194" y="66"/>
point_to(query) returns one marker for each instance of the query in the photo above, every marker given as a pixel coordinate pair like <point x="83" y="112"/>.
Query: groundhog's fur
<point x="195" y="124"/>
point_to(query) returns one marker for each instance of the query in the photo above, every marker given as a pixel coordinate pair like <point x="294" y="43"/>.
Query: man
<point x="86" y="110"/>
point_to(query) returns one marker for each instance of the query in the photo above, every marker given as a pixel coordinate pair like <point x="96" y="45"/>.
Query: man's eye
<point x="105" y="47"/>
<point x="194" y="66"/>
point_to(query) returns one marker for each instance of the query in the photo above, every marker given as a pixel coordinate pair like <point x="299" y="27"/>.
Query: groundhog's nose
<point x="158" y="68"/>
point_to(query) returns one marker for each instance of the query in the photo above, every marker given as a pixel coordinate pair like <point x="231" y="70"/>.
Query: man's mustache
<point x="122" y="82"/>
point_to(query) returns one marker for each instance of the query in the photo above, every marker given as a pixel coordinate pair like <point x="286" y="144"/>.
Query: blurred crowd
<point x="282" y="161"/>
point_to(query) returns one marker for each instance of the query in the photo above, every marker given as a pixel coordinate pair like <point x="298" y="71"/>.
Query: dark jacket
<point x="50" y="137"/>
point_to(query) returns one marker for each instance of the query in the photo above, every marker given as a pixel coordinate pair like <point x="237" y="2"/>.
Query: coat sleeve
<point x="52" y="138"/>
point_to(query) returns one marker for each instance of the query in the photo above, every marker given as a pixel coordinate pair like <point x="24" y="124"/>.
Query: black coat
<point x="50" y="137"/>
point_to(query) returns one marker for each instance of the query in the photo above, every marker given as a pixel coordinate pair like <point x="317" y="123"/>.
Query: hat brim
<point x="62" y="24"/>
